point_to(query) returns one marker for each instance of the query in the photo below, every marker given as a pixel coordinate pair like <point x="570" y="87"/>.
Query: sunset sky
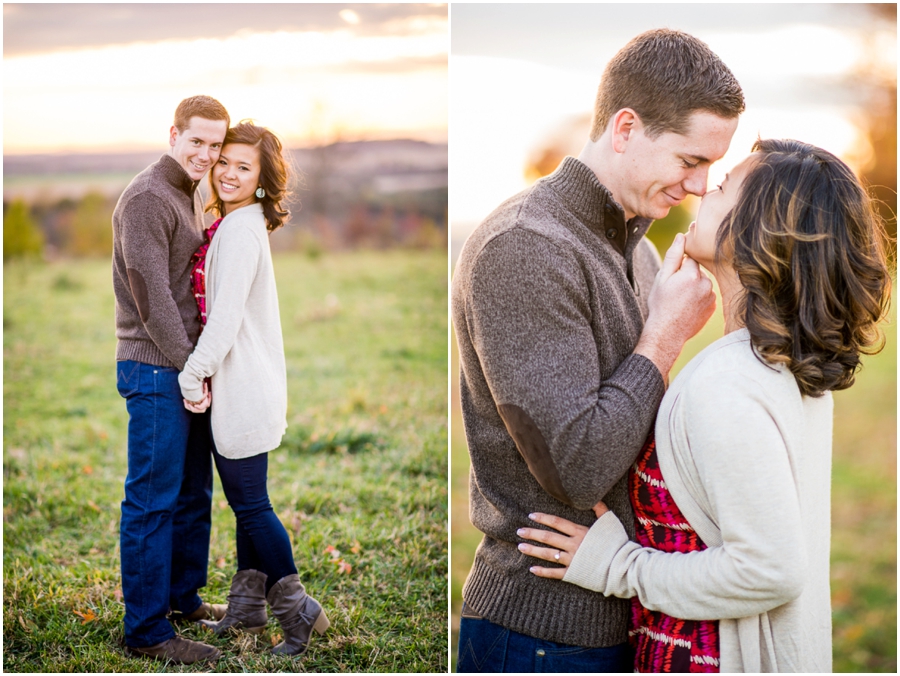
<point x="523" y="75"/>
<point x="108" y="76"/>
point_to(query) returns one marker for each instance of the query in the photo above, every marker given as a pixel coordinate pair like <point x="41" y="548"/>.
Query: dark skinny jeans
<point x="262" y="541"/>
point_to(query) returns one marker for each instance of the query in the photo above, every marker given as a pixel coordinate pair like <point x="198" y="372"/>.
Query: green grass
<point x="363" y="468"/>
<point x="864" y="508"/>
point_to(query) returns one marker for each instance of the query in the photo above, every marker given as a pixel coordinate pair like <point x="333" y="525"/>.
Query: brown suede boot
<point x="298" y="613"/>
<point x="246" y="604"/>
<point x="177" y="649"/>
<point x="206" y="611"/>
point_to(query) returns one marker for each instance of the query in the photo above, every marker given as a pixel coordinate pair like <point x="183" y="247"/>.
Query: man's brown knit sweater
<point x="157" y="226"/>
<point x="549" y="300"/>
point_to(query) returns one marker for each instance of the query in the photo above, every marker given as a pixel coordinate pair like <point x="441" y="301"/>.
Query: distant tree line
<point x="83" y="227"/>
<point x="21" y="235"/>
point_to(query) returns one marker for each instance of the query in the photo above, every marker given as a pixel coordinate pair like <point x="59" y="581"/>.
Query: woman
<point x="730" y="570"/>
<point x="241" y="352"/>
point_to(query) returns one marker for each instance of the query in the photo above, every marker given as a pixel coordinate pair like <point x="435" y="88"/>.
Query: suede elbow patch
<point x="533" y="449"/>
<point x="140" y="294"/>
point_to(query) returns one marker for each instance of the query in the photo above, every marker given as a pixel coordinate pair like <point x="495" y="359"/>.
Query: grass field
<point x="864" y="509"/>
<point x="363" y="468"/>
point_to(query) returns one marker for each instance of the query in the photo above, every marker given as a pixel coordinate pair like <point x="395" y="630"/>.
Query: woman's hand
<point x="203" y="404"/>
<point x="562" y="545"/>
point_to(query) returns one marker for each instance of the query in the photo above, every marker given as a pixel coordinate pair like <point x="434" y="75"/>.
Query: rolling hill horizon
<point x="390" y="165"/>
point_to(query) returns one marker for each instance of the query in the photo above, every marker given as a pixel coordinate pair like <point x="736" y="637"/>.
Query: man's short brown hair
<point x="200" y="106"/>
<point x="664" y="76"/>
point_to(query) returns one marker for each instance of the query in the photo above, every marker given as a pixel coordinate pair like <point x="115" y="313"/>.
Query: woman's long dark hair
<point x="810" y="253"/>
<point x="273" y="172"/>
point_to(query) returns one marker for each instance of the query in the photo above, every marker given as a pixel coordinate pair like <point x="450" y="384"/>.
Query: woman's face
<point x="701" y="237"/>
<point x="235" y="177"/>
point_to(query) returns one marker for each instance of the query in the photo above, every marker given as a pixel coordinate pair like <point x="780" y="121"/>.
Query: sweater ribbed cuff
<point x="641" y="378"/>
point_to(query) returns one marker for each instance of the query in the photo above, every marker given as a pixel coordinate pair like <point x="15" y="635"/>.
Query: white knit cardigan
<point x="747" y="459"/>
<point x="241" y="347"/>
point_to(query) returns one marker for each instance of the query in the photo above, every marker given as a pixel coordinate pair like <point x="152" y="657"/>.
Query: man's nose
<point x="203" y="153"/>
<point x="695" y="184"/>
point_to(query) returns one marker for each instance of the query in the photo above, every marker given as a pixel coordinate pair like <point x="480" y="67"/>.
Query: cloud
<point x="41" y="28"/>
<point x="393" y="66"/>
<point x="586" y="35"/>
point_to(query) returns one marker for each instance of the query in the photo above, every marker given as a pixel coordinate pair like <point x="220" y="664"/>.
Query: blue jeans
<point x="164" y="532"/>
<point x="262" y="541"/>
<point x="489" y="648"/>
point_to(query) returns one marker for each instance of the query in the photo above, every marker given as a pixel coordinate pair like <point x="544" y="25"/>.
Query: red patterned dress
<point x="198" y="278"/>
<point x="665" y="644"/>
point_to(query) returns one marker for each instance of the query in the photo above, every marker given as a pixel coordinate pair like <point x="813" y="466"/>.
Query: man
<point x="157" y="226"/>
<point x="566" y="337"/>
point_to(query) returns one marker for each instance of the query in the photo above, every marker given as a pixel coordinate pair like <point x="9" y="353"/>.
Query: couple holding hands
<point x="200" y="363"/>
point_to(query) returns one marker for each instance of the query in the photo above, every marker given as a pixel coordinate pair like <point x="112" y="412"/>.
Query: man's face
<point x="659" y="173"/>
<point x="197" y="148"/>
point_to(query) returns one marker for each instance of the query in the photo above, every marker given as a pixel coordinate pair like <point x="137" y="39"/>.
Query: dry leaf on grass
<point x="86" y="616"/>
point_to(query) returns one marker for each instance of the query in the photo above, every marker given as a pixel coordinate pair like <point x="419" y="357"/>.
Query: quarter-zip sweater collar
<point x="175" y="175"/>
<point x="581" y="192"/>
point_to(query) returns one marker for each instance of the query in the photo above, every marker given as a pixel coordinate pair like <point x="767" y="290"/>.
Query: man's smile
<point x="675" y="201"/>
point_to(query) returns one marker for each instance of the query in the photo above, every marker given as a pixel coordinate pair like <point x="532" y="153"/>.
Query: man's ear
<point x="625" y="124"/>
<point x="173" y="134"/>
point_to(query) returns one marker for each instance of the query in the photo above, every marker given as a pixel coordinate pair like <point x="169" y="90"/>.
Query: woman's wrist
<point x="591" y="564"/>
